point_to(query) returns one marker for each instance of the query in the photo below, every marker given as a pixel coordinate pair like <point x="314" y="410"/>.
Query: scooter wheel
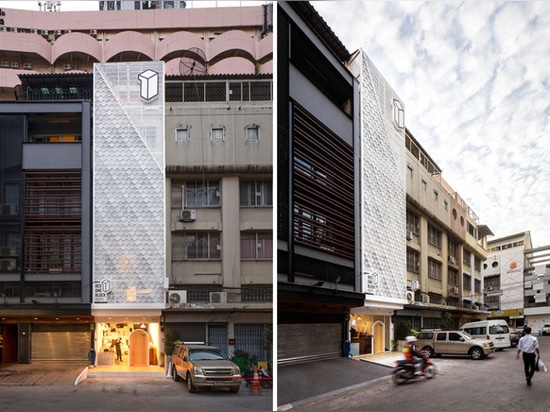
<point x="399" y="376"/>
<point x="429" y="372"/>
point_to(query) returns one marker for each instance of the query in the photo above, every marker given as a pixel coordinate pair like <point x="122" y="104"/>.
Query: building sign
<point x="101" y="289"/>
<point x="148" y="84"/>
<point x="371" y="282"/>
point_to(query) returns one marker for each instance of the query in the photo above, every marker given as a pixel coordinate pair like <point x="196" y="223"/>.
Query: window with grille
<point x="202" y="193"/>
<point x="217" y="134"/>
<point x="252" y="338"/>
<point x="413" y="222"/>
<point x="256" y="192"/>
<point x="477" y="286"/>
<point x="252" y="133"/>
<point x="434" y="269"/>
<point x="434" y="236"/>
<point x="215" y="92"/>
<point x="203" y="245"/>
<point x="182" y="135"/>
<point x="413" y="260"/>
<point x="467" y="281"/>
<point x="256" y="245"/>
<point x="452" y="277"/>
<point x="466" y="257"/>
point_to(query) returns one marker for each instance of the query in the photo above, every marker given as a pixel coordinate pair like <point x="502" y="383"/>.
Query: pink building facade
<point x="235" y="40"/>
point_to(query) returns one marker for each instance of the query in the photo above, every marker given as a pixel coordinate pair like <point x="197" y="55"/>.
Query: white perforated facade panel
<point x="128" y="182"/>
<point x="383" y="211"/>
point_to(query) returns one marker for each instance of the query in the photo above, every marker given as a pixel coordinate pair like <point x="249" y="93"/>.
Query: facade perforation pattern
<point x="129" y="184"/>
<point x="383" y="187"/>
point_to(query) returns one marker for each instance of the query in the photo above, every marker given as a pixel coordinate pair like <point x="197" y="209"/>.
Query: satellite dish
<point x="193" y="61"/>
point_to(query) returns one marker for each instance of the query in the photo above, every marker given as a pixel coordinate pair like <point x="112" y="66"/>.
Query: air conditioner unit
<point x="410" y="297"/>
<point x="34" y="31"/>
<point x="177" y="296"/>
<point x="8" y="209"/>
<point x="44" y="33"/>
<point x="67" y="67"/>
<point x="15" y="65"/>
<point x="27" y="66"/>
<point x="7" y="265"/>
<point x="489" y="288"/>
<point x="443" y="302"/>
<point x="409" y="235"/>
<point x="452" y="259"/>
<point x="218" y="297"/>
<point x="475" y="307"/>
<point x="6" y="64"/>
<point x="93" y="32"/>
<point x="8" y="251"/>
<point x="454" y="290"/>
<point x="425" y="299"/>
<point x="188" y="215"/>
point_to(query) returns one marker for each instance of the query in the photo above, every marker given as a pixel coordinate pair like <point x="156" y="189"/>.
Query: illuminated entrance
<point x="127" y="343"/>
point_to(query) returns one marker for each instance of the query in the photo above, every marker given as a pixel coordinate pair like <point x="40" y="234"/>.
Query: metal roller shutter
<point x="60" y="343"/>
<point x="308" y="342"/>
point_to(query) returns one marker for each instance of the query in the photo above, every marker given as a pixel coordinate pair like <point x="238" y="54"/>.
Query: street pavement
<point x="311" y="382"/>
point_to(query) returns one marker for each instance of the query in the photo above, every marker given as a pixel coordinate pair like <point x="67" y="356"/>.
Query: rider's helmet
<point x="410" y="339"/>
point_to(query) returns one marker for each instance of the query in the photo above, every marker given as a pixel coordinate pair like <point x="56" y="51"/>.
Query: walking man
<point x="529" y="345"/>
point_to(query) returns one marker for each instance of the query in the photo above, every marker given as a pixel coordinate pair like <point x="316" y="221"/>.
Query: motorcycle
<point x="404" y="370"/>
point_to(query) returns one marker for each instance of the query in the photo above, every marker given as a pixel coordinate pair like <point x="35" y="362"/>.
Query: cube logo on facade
<point x="149" y="84"/>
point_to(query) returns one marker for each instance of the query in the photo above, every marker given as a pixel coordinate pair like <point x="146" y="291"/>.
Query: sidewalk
<point x="303" y="383"/>
<point x="70" y="373"/>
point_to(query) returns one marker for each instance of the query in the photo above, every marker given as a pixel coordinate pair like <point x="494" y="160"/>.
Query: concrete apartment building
<point x="168" y="222"/>
<point x="516" y="278"/>
<point x="446" y="246"/>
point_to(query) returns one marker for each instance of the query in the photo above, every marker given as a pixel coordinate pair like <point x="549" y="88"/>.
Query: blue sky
<point x="475" y="82"/>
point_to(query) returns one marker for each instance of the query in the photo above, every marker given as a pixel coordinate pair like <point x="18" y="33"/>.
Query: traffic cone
<point x="255" y="387"/>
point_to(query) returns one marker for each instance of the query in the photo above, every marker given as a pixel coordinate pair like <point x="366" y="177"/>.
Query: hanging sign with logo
<point x="101" y="289"/>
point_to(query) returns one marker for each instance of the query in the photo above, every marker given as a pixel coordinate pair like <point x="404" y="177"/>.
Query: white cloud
<point x="475" y="82"/>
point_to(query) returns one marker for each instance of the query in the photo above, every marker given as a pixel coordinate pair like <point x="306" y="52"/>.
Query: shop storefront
<point x="134" y="340"/>
<point x="370" y="333"/>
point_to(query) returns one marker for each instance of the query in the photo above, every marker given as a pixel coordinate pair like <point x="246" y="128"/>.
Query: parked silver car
<point x="443" y="342"/>
<point x="204" y="366"/>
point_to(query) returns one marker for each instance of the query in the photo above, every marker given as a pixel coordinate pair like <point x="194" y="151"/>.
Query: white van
<point x="496" y="330"/>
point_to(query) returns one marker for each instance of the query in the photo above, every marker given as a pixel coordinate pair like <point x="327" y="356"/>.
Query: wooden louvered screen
<point x="53" y="240"/>
<point x="323" y="190"/>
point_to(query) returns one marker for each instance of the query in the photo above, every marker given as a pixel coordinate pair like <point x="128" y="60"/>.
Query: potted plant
<point x="240" y="357"/>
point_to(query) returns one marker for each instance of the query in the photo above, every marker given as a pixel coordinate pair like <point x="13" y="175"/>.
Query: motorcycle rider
<point x="412" y="355"/>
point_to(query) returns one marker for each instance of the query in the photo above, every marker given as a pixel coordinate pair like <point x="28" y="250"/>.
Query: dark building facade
<point x="45" y="187"/>
<point x="318" y="220"/>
